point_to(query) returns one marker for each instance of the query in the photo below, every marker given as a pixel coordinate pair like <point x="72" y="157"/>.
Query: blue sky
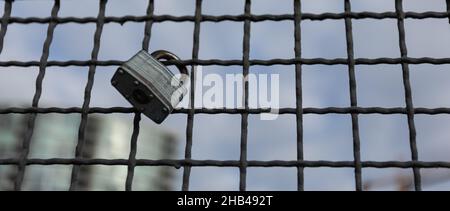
<point x="326" y="137"/>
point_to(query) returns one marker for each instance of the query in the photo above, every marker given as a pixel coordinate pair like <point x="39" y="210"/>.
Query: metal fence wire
<point x="247" y="18"/>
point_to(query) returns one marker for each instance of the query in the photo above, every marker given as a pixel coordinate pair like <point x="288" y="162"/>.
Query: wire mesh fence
<point x="296" y="17"/>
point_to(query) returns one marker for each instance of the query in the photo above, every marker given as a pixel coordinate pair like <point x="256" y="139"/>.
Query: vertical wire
<point x="244" y="120"/>
<point x="148" y="25"/>
<point x="137" y="115"/>
<point x="448" y="9"/>
<point x="87" y="94"/>
<point x="191" y="112"/>
<point x="299" y="92"/>
<point x="408" y="92"/>
<point x="37" y="95"/>
<point x="353" y="96"/>
<point x="4" y="28"/>
<point x="5" y="20"/>
<point x="133" y="150"/>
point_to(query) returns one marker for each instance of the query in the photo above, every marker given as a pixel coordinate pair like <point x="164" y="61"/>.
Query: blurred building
<point x="107" y="137"/>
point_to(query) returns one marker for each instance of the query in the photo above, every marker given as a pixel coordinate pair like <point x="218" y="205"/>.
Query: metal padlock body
<point x="149" y="85"/>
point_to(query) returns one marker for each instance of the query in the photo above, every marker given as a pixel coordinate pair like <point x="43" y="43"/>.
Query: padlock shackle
<point x="163" y="54"/>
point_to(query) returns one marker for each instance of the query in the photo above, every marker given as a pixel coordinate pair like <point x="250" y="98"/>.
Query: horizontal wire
<point x="306" y="110"/>
<point x="240" y="18"/>
<point x="253" y="62"/>
<point x="230" y="163"/>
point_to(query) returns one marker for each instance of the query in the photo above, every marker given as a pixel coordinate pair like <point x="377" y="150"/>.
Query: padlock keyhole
<point x="140" y="96"/>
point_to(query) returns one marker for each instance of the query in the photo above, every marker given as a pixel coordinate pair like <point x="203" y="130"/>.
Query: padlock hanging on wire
<point x="149" y="85"/>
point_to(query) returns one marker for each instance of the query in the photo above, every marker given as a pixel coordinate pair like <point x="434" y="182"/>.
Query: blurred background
<point x="217" y="137"/>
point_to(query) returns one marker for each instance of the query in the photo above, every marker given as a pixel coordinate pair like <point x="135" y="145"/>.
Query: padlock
<point x="149" y="85"/>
